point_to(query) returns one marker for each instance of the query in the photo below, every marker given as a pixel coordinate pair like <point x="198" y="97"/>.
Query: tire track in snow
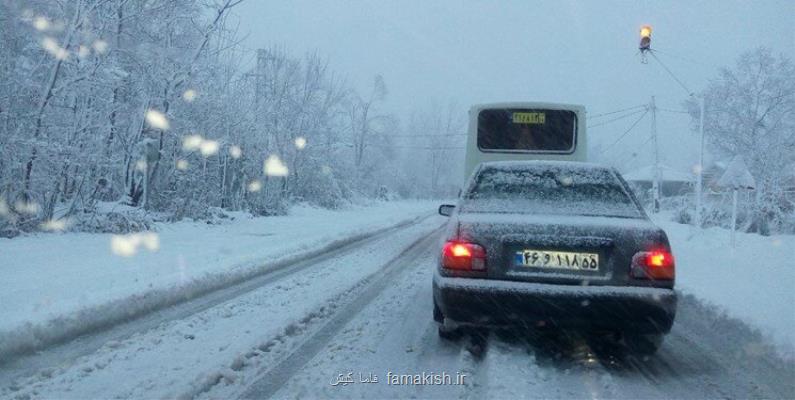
<point x="545" y="363"/>
<point x="696" y="360"/>
<point x="464" y="355"/>
<point x="270" y="382"/>
<point x="535" y="363"/>
<point x="531" y="363"/>
<point x="64" y="352"/>
<point x="101" y="318"/>
<point x="393" y="333"/>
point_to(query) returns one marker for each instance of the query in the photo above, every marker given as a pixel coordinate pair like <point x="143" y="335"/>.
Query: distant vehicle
<point x="525" y="131"/>
<point x="554" y="243"/>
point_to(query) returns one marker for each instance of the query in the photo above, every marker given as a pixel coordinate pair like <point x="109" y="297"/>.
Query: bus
<point x="525" y="131"/>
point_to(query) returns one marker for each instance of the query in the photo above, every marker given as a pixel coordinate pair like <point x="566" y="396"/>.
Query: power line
<point x="686" y="59"/>
<point x="645" y="142"/>
<point x="673" y="111"/>
<point x="634" y="124"/>
<point x="619" y="118"/>
<point x="615" y="112"/>
<point x="689" y="92"/>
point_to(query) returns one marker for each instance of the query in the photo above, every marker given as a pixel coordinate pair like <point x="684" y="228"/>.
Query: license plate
<point x="557" y="260"/>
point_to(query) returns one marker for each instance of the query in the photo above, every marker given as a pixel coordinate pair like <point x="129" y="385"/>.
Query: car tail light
<point x="463" y="256"/>
<point x="657" y="264"/>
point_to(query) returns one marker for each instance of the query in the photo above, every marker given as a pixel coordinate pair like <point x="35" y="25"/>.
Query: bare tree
<point x="364" y="118"/>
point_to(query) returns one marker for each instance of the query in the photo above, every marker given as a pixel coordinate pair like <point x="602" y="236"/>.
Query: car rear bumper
<point x="490" y="302"/>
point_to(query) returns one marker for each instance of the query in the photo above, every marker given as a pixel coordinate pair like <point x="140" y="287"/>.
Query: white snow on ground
<point x="49" y="277"/>
<point x="754" y="282"/>
<point x="186" y="357"/>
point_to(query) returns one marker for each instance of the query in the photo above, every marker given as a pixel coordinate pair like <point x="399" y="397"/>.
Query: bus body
<point x="525" y="131"/>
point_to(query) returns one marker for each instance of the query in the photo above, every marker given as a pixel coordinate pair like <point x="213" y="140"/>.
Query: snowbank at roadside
<point x="754" y="282"/>
<point x="57" y="285"/>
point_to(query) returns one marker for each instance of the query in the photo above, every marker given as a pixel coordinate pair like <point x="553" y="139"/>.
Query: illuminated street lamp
<point x="645" y="38"/>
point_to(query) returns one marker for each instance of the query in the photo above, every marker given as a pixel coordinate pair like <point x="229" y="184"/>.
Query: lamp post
<point x="645" y="42"/>
<point x="644" y="47"/>
<point x="700" y="167"/>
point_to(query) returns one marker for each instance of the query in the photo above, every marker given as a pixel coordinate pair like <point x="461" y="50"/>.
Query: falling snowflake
<point x="26" y="207"/>
<point x="83" y="51"/>
<point x="127" y="245"/>
<point x="157" y="120"/>
<point x="41" y="23"/>
<point x="300" y="143"/>
<point x="192" y="142"/>
<point x="51" y="46"/>
<point x="254" y="186"/>
<point x="140" y="165"/>
<point x="275" y="167"/>
<point x="55" y="225"/>
<point x="208" y="147"/>
<point x="100" y="46"/>
<point x="236" y="152"/>
<point x="189" y="95"/>
<point x="182" y="165"/>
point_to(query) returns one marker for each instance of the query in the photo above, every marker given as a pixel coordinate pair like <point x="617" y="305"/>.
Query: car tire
<point x="446" y="333"/>
<point x="437" y="313"/>
<point x="643" y="344"/>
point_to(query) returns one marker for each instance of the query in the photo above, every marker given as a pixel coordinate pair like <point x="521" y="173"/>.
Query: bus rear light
<point x="657" y="265"/>
<point x="463" y="256"/>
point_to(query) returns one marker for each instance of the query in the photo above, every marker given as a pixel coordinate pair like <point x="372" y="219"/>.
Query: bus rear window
<point x="531" y="130"/>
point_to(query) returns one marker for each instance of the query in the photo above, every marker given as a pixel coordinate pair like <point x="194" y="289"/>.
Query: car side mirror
<point x="446" y="209"/>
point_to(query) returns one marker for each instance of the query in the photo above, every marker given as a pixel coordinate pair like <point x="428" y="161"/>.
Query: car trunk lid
<point x="549" y="248"/>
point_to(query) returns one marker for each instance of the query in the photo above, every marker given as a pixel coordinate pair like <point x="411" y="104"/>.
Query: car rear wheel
<point x="448" y="333"/>
<point x="643" y="344"/>
<point x="437" y="313"/>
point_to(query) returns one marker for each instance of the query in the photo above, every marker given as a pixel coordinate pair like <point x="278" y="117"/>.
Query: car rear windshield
<point x="559" y="191"/>
<point x="527" y="130"/>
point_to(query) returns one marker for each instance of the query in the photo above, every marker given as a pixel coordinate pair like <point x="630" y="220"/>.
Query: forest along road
<point x="365" y="314"/>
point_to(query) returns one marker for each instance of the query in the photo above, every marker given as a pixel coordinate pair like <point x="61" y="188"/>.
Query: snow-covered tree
<point x="750" y="111"/>
<point x="145" y="105"/>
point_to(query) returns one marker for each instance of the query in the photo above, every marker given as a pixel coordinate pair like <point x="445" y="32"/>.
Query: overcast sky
<point x="582" y="52"/>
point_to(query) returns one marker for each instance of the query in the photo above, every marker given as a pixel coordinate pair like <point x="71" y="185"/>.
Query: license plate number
<point x="558" y="260"/>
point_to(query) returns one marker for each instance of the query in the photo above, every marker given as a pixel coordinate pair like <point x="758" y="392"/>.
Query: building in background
<point x="673" y="182"/>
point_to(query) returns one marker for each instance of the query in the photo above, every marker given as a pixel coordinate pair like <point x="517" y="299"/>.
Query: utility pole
<point x="700" y="167"/>
<point x="655" y="187"/>
<point x="645" y="47"/>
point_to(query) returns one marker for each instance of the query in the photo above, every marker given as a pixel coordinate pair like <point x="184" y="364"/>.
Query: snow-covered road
<point x="705" y="356"/>
<point x="365" y="310"/>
